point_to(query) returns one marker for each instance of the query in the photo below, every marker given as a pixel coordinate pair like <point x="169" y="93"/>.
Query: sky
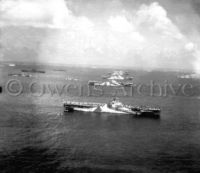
<point x="134" y="33"/>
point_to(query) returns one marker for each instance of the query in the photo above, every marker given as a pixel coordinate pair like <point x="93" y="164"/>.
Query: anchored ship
<point x="115" y="79"/>
<point x="113" y="107"/>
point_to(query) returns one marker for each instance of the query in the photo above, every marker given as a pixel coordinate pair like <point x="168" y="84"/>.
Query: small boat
<point x="20" y="75"/>
<point x="32" y="71"/>
<point x="113" y="107"/>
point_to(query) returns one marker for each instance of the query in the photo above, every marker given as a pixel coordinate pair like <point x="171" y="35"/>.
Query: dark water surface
<point x="37" y="137"/>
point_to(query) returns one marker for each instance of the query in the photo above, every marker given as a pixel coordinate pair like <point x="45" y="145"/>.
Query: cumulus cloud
<point x="38" y="13"/>
<point x="190" y="46"/>
<point x="155" y="18"/>
<point x="120" y="23"/>
<point x="145" y="37"/>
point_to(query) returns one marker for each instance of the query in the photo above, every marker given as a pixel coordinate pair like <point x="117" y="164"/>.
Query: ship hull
<point x="104" y="108"/>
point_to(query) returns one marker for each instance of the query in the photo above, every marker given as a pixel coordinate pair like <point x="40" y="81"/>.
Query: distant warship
<point x="113" y="107"/>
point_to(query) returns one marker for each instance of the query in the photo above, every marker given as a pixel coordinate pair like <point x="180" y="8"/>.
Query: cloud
<point x="120" y="23"/>
<point x="144" y="37"/>
<point x="37" y="13"/>
<point x="147" y="34"/>
<point x="190" y="46"/>
<point x="22" y="12"/>
<point x="155" y="18"/>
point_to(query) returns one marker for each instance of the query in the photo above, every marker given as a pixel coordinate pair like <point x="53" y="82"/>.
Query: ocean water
<point x="36" y="136"/>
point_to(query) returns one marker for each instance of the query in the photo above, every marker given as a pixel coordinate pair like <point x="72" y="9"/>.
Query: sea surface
<point x="36" y="136"/>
